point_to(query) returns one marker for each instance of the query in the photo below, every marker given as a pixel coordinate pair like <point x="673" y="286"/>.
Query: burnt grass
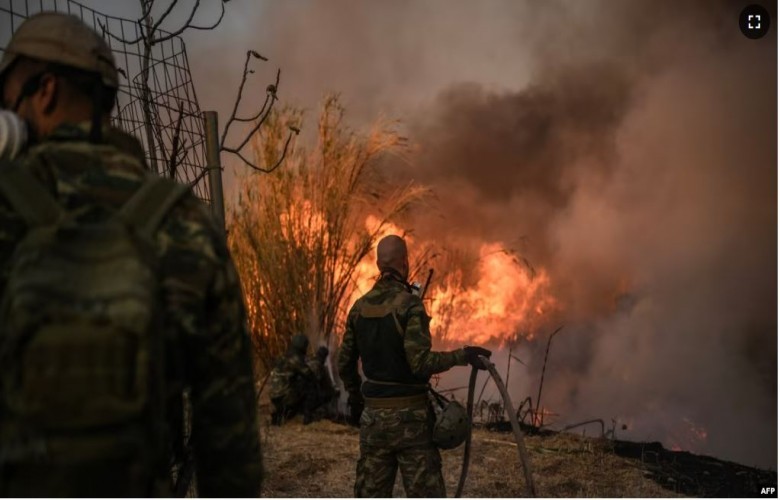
<point x="696" y="475"/>
<point x="318" y="460"/>
<point x="681" y="472"/>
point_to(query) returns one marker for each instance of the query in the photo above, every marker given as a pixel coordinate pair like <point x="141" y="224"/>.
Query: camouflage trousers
<point x="398" y="438"/>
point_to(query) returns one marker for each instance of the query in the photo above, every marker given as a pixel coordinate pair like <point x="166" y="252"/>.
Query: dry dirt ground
<point x="318" y="460"/>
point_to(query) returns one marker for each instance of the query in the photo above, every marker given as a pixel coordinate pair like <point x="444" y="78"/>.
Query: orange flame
<point x="506" y="301"/>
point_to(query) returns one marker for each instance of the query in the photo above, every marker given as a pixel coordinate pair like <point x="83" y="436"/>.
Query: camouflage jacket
<point x="208" y="336"/>
<point x="290" y="379"/>
<point x="388" y="329"/>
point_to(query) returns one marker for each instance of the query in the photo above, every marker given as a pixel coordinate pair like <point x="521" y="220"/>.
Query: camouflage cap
<point x="62" y="39"/>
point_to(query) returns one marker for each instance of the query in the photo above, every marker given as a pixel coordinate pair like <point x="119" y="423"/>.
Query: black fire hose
<point x="467" y="448"/>
<point x="525" y="460"/>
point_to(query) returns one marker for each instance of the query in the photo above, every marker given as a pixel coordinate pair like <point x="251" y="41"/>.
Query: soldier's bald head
<point x="391" y="255"/>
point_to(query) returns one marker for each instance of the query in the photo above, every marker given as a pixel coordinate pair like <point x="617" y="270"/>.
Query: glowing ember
<point x="690" y="436"/>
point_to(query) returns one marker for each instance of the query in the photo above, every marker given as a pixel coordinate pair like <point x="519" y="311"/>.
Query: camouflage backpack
<point x="82" y="402"/>
<point x="285" y="383"/>
<point x="279" y="380"/>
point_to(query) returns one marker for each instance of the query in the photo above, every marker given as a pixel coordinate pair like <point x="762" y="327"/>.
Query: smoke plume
<point x="646" y="186"/>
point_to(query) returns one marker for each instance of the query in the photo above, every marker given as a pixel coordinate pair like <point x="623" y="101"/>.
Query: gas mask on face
<point x="13" y="135"/>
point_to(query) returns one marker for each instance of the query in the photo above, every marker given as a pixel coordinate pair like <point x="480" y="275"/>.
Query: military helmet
<point x="299" y="342"/>
<point x="322" y="352"/>
<point x="65" y="40"/>
<point x="451" y="427"/>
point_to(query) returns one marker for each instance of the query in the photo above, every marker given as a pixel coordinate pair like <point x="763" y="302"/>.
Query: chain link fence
<point x="156" y="101"/>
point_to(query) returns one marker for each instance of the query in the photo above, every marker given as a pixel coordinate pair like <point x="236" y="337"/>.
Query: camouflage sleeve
<point x="417" y="344"/>
<point x="348" y="358"/>
<point x="210" y="310"/>
<point x="12" y="227"/>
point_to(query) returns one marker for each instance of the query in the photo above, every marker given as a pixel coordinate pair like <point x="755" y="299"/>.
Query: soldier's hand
<point x="355" y="402"/>
<point x="472" y="353"/>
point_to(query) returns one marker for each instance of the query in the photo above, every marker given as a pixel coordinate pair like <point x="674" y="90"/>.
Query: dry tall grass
<point x="298" y="234"/>
<point x="319" y="460"/>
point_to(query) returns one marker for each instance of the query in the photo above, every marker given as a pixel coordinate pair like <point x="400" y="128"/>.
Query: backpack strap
<point x="147" y="208"/>
<point x="367" y="310"/>
<point x="440" y="400"/>
<point x="27" y="196"/>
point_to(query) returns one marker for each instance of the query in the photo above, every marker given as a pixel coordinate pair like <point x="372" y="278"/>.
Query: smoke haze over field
<point x="627" y="148"/>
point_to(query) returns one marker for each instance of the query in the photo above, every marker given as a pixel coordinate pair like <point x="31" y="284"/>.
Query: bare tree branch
<point x="165" y="14"/>
<point x="177" y="32"/>
<point x="240" y="93"/>
<point x="221" y="15"/>
<point x="277" y="164"/>
<point x="151" y="34"/>
<point x="258" y="124"/>
<point x="259" y="118"/>
<point x="148" y="27"/>
<point x="146" y="8"/>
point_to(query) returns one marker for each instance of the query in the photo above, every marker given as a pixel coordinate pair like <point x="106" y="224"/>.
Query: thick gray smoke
<point x="626" y="147"/>
<point x="646" y="186"/>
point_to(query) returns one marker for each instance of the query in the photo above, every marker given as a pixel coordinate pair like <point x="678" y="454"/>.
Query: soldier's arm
<point x="417" y="344"/>
<point x="12" y="225"/>
<point x="12" y="228"/>
<point x="348" y="359"/>
<point x="225" y="429"/>
<point x="218" y="360"/>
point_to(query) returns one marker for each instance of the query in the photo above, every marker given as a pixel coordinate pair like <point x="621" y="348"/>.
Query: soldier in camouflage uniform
<point x="324" y="392"/>
<point x="292" y="383"/>
<point x="60" y="77"/>
<point x="388" y="330"/>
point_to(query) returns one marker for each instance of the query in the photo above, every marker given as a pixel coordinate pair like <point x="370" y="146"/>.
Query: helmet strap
<point x="30" y="87"/>
<point x="96" y="128"/>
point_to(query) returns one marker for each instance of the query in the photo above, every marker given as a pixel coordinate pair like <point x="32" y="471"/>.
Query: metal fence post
<point x="214" y="166"/>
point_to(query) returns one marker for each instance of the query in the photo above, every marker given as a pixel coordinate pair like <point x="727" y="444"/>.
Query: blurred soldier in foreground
<point x="118" y="292"/>
<point x="388" y="330"/>
<point x="292" y="383"/>
<point x="324" y="392"/>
